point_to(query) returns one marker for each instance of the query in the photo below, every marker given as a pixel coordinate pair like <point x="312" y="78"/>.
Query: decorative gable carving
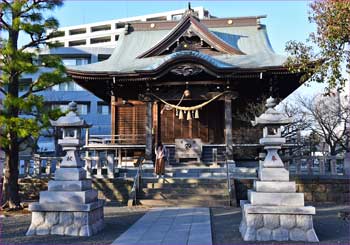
<point x="190" y="34"/>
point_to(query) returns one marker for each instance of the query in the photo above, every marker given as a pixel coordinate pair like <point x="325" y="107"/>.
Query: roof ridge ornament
<point x="190" y="22"/>
<point x="189" y="10"/>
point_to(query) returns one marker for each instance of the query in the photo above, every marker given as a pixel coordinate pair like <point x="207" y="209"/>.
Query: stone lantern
<point x="70" y="206"/>
<point x="274" y="211"/>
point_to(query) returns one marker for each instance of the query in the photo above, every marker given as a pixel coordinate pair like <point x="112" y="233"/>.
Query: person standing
<point x="160" y="159"/>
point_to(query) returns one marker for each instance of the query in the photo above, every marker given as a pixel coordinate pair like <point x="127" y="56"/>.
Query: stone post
<point x="37" y="166"/>
<point x="26" y="168"/>
<point x="347" y="163"/>
<point x="88" y="165"/>
<point x="262" y="156"/>
<point x="48" y="167"/>
<point x="98" y="166"/>
<point x="70" y="206"/>
<point x="120" y="158"/>
<point x="309" y="166"/>
<point x="322" y="166"/>
<point x="297" y="161"/>
<point x="215" y="157"/>
<point x="110" y="166"/>
<point x="333" y="163"/>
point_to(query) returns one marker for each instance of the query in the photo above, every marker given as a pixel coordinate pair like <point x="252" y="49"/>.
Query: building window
<point x="100" y="40"/>
<point x="102" y="57"/>
<point x="75" y="61"/>
<point x="68" y="86"/>
<point x="101" y="28"/>
<point x="77" y="43"/>
<point x="77" y="31"/>
<point x="83" y="109"/>
<point x="103" y="109"/>
<point x="176" y="17"/>
<point x="119" y="25"/>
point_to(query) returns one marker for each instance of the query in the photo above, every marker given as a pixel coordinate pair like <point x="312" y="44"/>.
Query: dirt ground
<point x="225" y="221"/>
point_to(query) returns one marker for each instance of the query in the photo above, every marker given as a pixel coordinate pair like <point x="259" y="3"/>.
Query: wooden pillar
<point x="113" y="119"/>
<point x="148" y="150"/>
<point x="228" y="127"/>
<point x="159" y="122"/>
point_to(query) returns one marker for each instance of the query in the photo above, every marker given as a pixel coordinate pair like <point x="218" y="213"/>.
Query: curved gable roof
<point x="134" y="48"/>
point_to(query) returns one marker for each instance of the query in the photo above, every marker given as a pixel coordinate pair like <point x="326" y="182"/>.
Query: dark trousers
<point x="160" y="166"/>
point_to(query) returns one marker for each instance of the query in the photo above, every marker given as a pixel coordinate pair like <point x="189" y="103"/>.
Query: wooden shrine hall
<point x="182" y="82"/>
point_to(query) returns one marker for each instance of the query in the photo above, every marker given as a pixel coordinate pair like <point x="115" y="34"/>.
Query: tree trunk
<point x="11" y="189"/>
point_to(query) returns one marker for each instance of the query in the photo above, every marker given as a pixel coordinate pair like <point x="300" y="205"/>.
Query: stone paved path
<point x="170" y="226"/>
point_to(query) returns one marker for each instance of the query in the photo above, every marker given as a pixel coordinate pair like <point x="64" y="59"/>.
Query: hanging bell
<point x="177" y="112"/>
<point x="181" y="115"/>
<point x="189" y="115"/>
<point x="196" y="114"/>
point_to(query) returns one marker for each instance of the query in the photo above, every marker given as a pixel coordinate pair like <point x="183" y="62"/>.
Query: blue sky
<point x="286" y="20"/>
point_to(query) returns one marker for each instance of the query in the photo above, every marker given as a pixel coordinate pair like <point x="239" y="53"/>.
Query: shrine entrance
<point x="209" y="126"/>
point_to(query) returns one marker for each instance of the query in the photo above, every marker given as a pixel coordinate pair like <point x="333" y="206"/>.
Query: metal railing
<point x="137" y="186"/>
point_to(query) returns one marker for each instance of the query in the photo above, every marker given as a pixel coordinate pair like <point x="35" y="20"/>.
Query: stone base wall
<point x="67" y="223"/>
<point x="277" y="227"/>
<point x="316" y="189"/>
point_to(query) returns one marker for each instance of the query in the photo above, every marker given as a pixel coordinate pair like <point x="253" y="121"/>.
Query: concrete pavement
<point x="170" y="226"/>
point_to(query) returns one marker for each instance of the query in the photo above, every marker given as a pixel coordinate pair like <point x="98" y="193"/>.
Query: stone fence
<point x="103" y="166"/>
<point x="310" y="165"/>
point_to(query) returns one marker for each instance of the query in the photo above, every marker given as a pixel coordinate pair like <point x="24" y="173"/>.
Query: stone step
<point x="273" y="174"/>
<point x="68" y="197"/>
<point x="183" y="203"/>
<point x="273" y="186"/>
<point x="181" y="197"/>
<point x="186" y="185"/>
<point x="276" y="199"/>
<point x="185" y="180"/>
<point x="193" y="191"/>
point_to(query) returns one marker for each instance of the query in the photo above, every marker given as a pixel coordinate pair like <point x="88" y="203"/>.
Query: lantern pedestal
<point x="70" y="206"/>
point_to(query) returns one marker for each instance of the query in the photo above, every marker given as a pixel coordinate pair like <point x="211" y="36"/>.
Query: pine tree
<point x="28" y="19"/>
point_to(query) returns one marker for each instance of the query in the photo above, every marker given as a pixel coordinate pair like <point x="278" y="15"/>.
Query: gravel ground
<point x="117" y="220"/>
<point x="225" y="221"/>
<point x="329" y="228"/>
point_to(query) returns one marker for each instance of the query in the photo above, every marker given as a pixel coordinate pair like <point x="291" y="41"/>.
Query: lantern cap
<point x="71" y="119"/>
<point x="271" y="117"/>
